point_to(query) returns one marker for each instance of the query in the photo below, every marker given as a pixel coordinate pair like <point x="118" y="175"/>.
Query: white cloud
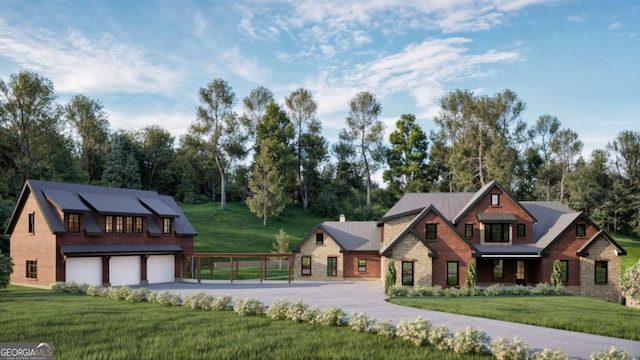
<point x="200" y="24"/>
<point x="578" y="18"/>
<point x="76" y="63"/>
<point x="615" y="25"/>
<point x="175" y="123"/>
<point x="245" y="24"/>
<point x="244" y="66"/>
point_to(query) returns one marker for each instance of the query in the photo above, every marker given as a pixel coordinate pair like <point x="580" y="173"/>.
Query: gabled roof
<point x="350" y="235"/>
<point x="481" y="194"/>
<point x="583" y="251"/>
<point x="52" y="196"/>
<point x="448" y="204"/>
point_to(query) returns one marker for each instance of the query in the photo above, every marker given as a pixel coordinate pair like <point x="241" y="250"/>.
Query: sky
<point x="145" y="60"/>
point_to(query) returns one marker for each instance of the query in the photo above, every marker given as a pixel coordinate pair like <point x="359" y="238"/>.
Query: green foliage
<point x="360" y="322"/>
<point x="630" y="283"/>
<point x="416" y="331"/>
<point x="612" y="353"/>
<point x="549" y="354"/>
<point x="278" y="310"/>
<point x="248" y="307"/>
<point x="331" y="316"/>
<point x="390" y="278"/>
<point x="502" y="349"/>
<point x="556" y="274"/>
<point x="268" y="195"/>
<point x="198" y="300"/>
<point x="70" y="287"/>
<point x="472" y="276"/>
<point x="299" y="311"/>
<point x="470" y="340"/>
<point x="121" y="167"/>
<point x="6" y="268"/>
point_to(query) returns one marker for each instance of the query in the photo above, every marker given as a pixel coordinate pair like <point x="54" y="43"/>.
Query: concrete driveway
<point x="368" y="297"/>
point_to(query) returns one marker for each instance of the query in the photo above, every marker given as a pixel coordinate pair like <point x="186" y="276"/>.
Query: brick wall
<point x="319" y="255"/>
<point x="351" y="265"/>
<point x="602" y="249"/>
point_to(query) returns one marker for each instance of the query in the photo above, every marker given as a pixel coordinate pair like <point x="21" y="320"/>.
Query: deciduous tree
<point x="267" y="197"/>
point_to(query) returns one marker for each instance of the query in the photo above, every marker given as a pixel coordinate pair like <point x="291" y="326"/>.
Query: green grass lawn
<point x="632" y="246"/>
<point x="236" y="229"/>
<point x="84" y="327"/>
<point x="574" y="313"/>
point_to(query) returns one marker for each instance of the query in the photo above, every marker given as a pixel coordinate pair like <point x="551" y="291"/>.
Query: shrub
<point x="494" y="290"/>
<point x="471" y="280"/>
<point x="544" y="289"/>
<point x="390" y="278"/>
<point x="310" y="314"/>
<point x="503" y="350"/>
<point x="223" y="303"/>
<point x="198" y="300"/>
<point x="248" y="307"/>
<point x="296" y="312"/>
<point x="465" y="291"/>
<point x="383" y="328"/>
<point x="556" y="274"/>
<point x="549" y="354"/>
<point x="360" y="322"/>
<point x="630" y="283"/>
<point x="441" y="338"/>
<point x="70" y="287"/>
<point x="470" y="340"/>
<point x="6" y="268"/>
<point x="333" y="316"/>
<point x="166" y="298"/>
<point x="521" y="290"/>
<point x="118" y="293"/>
<point x="95" y="291"/>
<point x="417" y="331"/>
<point x="138" y="295"/>
<point x="452" y="292"/>
<point x="398" y="291"/>
<point x="278" y="310"/>
<point x="612" y="353"/>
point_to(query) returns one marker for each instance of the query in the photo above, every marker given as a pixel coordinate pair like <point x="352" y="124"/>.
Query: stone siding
<point x="393" y="228"/>
<point x="601" y="250"/>
<point x="319" y="255"/>
<point x="411" y="249"/>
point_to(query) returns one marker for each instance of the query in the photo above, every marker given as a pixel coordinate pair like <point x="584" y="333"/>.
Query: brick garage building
<point x="433" y="237"/>
<point x="96" y="235"/>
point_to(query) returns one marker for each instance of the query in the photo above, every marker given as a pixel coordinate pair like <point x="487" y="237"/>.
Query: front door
<point x="520" y="273"/>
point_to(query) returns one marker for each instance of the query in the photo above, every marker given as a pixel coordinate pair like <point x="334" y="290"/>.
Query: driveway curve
<point x="368" y="297"/>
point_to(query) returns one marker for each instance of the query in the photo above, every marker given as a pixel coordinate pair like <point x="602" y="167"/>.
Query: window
<point x="319" y="239"/>
<point x="128" y="225"/>
<point x="119" y="224"/>
<point x="32" y="269"/>
<point x="564" y="270"/>
<point x="498" y="269"/>
<point x="495" y="199"/>
<point x="496" y="233"/>
<point x="332" y="266"/>
<point x="521" y="230"/>
<point x="601" y="272"/>
<point x="108" y="224"/>
<point x="407" y="273"/>
<point x="73" y="223"/>
<point x="432" y="231"/>
<point x="138" y="225"/>
<point x="362" y="265"/>
<point x="581" y="230"/>
<point x="306" y="265"/>
<point x="32" y="223"/>
<point x="452" y="273"/>
<point x="166" y="225"/>
<point x="468" y="230"/>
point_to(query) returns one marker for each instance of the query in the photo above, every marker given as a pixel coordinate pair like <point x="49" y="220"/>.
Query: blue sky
<point x="145" y="60"/>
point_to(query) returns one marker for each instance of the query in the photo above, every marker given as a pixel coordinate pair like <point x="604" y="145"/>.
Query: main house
<point x="96" y="235"/>
<point x="433" y="237"/>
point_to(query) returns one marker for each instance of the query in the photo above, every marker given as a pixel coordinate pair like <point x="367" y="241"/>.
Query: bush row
<point x="419" y="331"/>
<point x="492" y="290"/>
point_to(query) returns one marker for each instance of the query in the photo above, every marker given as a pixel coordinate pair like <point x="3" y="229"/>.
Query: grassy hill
<point x="236" y="229"/>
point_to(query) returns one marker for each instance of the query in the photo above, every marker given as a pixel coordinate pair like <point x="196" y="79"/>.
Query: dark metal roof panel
<point x="118" y="249"/>
<point x="157" y="206"/>
<point x="354" y="235"/>
<point x="65" y="200"/>
<point x="152" y="227"/>
<point x="91" y="225"/>
<point x="449" y="204"/>
<point x="493" y="218"/>
<point x="182" y="225"/>
<point x="114" y="204"/>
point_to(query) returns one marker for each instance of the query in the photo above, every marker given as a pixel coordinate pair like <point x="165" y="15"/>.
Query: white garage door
<point x="84" y="270"/>
<point x="161" y="269"/>
<point x="124" y="270"/>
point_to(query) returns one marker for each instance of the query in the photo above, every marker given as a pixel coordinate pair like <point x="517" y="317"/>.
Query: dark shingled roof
<point x="51" y="196"/>
<point x="85" y="250"/>
<point x="354" y="235"/>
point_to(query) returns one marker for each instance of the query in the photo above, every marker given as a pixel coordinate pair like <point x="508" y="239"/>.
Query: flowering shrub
<point x="223" y="303"/>
<point x="360" y="322"/>
<point x="310" y="314"/>
<point x="612" y="353"/>
<point x="70" y="287"/>
<point x="198" y="300"/>
<point x="298" y="312"/>
<point x="549" y="354"/>
<point x="138" y="295"/>
<point x="383" y="328"/>
<point x="503" y="350"/>
<point x="95" y="291"/>
<point x="118" y="293"/>
<point x="416" y="331"/>
<point x="166" y="298"/>
<point x="248" y="306"/>
<point x="278" y="310"/>
<point x="470" y="340"/>
<point x="545" y="289"/>
<point x="494" y="290"/>
<point x="521" y="290"/>
<point x="333" y="316"/>
<point x="441" y="338"/>
<point x="630" y="283"/>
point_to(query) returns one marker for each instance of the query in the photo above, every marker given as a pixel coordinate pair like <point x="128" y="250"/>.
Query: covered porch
<point x="516" y="270"/>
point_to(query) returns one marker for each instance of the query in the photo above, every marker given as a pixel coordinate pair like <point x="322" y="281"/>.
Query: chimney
<point x="342" y="218"/>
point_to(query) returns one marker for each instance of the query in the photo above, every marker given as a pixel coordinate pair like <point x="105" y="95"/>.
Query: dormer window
<point x="166" y="225"/>
<point x="119" y="224"/>
<point x="128" y="225"/>
<point x="138" y="225"/>
<point x="108" y="224"/>
<point x="496" y="233"/>
<point x="73" y="223"/>
<point x="495" y="199"/>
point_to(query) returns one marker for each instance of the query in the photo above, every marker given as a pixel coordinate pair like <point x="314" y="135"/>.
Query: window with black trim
<point x="166" y="225"/>
<point x="432" y="231"/>
<point x="521" y="230"/>
<point x="407" y="273"/>
<point x="452" y="273"/>
<point x="581" y="230"/>
<point x="119" y="224"/>
<point x="32" y="269"/>
<point x="362" y="265"/>
<point x="108" y="224"/>
<point x="495" y="199"/>
<point x="498" y="269"/>
<point x="32" y="223"/>
<point x="320" y="239"/>
<point x="306" y="265"/>
<point x="128" y="225"/>
<point x="138" y="225"/>
<point x="496" y="233"/>
<point x="564" y="270"/>
<point x="332" y="266"/>
<point x="468" y="230"/>
<point x="601" y="272"/>
<point x="73" y="223"/>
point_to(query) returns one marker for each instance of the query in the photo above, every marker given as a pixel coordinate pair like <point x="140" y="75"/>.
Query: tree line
<point x="273" y="154"/>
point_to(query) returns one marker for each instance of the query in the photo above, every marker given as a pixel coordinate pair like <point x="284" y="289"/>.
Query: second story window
<point x="432" y="231"/>
<point x="521" y="230"/>
<point x="495" y="199"/>
<point x="581" y="230"/>
<point x="166" y="225"/>
<point x="128" y="225"/>
<point x="119" y="224"/>
<point x="32" y="223"/>
<point x="138" y="225"/>
<point x="496" y="233"/>
<point x="108" y="224"/>
<point x="73" y="223"/>
<point x="468" y="230"/>
<point x="319" y="239"/>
